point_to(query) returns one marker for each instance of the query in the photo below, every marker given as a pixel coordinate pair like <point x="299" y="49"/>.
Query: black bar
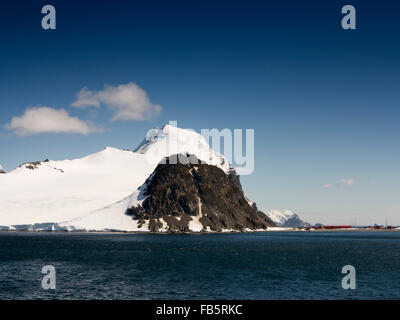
<point x="201" y="309"/>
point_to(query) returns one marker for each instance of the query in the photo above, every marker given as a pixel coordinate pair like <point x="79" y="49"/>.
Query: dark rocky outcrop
<point x="36" y="164"/>
<point x="32" y="165"/>
<point x="178" y="192"/>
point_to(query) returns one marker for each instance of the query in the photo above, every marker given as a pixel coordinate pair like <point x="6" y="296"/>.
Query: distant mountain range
<point x="286" y="219"/>
<point x="141" y="190"/>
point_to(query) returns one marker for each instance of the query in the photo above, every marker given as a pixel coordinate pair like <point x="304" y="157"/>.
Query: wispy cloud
<point x="342" y="182"/>
<point x="128" y="101"/>
<point x="43" y="119"/>
<point x="346" y="182"/>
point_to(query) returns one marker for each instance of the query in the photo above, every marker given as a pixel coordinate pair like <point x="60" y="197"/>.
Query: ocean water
<point x="268" y="265"/>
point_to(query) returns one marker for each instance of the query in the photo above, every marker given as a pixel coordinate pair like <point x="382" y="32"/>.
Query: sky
<point x="323" y="101"/>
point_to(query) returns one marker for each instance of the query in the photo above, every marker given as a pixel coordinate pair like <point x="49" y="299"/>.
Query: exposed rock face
<point x="32" y="165"/>
<point x="178" y="194"/>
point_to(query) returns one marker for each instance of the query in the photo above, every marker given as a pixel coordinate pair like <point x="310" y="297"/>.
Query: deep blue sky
<point x="324" y="102"/>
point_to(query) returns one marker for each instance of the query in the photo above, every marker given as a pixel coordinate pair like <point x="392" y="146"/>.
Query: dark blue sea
<point x="268" y="265"/>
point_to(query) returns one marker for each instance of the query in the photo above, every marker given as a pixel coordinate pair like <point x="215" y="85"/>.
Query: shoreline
<point x="198" y="233"/>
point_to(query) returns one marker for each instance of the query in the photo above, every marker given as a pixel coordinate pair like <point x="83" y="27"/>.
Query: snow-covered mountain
<point x="286" y="218"/>
<point x="94" y="192"/>
<point x="2" y="170"/>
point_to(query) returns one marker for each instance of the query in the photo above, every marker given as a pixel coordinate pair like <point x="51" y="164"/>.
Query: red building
<point x="338" y="227"/>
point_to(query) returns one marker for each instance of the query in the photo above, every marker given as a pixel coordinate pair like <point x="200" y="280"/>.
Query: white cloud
<point x="346" y="182"/>
<point x="86" y="98"/>
<point x="128" y="101"/>
<point x="47" y="120"/>
<point x="342" y="182"/>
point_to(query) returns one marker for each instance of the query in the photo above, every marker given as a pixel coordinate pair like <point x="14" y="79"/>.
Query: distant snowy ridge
<point x="285" y="218"/>
<point x="279" y="217"/>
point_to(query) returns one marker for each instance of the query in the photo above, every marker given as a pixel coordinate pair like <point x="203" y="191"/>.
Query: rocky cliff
<point x="186" y="194"/>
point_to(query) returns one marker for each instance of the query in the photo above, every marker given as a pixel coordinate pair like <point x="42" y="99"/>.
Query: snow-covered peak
<point x="279" y="217"/>
<point x="286" y="218"/>
<point x="170" y="140"/>
<point x="2" y="170"/>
